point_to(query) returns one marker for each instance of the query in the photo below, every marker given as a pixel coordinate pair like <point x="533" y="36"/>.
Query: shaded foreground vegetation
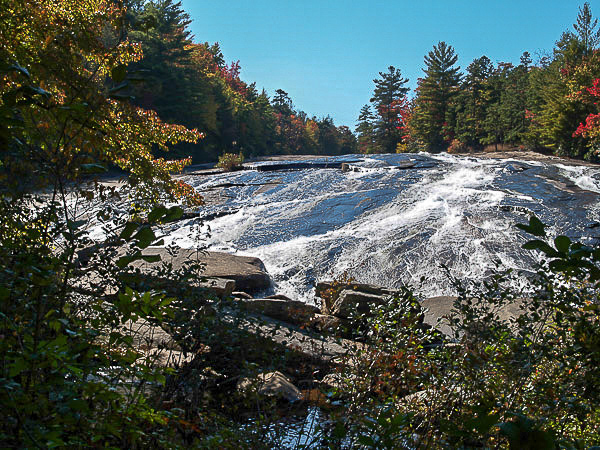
<point x="74" y="371"/>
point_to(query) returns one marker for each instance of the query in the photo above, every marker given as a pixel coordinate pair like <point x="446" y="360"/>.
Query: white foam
<point x="582" y="176"/>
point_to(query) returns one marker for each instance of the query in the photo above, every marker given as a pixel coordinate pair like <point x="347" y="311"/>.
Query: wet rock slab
<point x="297" y="165"/>
<point x="248" y="273"/>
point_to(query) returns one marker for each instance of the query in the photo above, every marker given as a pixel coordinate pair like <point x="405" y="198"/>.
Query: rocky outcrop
<point x="248" y="273"/>
<point x="220" y="287"/>
<point x="290" y="311"/>
<point x="271" y="384"/>
<point x="325" y="323"/>
<point x="350" y="303"/>
<point x="321" y="349"/>
<point x="329" y="292"/>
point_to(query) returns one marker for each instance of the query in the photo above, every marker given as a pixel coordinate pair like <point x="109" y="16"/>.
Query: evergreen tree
<point x="472" y="102"/>
<point x="431" y="121"/>
<point x="586" y="29"/>
<point x="282" y="103"/>
<point x="365" y="129"/>
<point x="389" y="97"/>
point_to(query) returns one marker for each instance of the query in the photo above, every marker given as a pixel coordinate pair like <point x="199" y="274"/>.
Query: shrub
<point x="457" y="146"/>
<point x="230" y="161"/>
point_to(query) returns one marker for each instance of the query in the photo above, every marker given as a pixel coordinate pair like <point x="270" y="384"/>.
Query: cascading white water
<point x="389" y="225"/>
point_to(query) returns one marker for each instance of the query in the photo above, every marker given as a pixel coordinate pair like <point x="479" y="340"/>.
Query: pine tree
<point x="365" y="129"/>
<point x="389" y="97"/>
<point x="472" y="102"/>
<point x="586" y="28"/>
<point x="431" y="122"/>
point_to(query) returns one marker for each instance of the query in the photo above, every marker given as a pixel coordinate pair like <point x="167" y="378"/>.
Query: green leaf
<point x="562" y="243"/>
<point x="559" y="265"/>
<point x="157" y="213"/>
<point x="542" y="246"/>
<point x="535" y="227"/>
<point x="339" y="432"/>
<point x="483" y="423"/>
<point x="145" y="237"/>
<point x="151" y="258"/>
<point x="10" y="98"/>
<point x="367" y="440"/>
<point x="511" y="430"/>
<point x="17" y="367"/>
<point x="175" y="213"/>
<point x="119" y="73"/>
<point x="128" y="230"/>
<point x="123" y="261"/>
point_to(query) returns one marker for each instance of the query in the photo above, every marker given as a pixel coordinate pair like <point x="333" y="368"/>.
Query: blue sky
<point x="326" y="53"/>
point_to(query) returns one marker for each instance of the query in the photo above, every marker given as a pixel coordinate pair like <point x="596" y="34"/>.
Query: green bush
<point x="230" y="161"/>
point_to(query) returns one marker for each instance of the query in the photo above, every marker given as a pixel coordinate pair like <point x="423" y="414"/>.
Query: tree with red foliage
<point x="590" y="129"/>
<point x="389" y="101"/>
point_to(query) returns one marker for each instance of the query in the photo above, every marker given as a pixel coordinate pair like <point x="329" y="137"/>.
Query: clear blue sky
<point x="326" y="53"/>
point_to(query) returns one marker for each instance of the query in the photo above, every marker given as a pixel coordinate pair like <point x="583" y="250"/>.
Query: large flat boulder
<point x="330" y="291"/>
<point x="290" y="311"/>
<point x="439" y="309"/>
<point x="350" y="302"/>
<point x="249" y="273"/>
<point x="221" y="287"/>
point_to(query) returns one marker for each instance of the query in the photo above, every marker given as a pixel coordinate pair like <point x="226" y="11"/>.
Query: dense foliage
<point x="76" y="371"/>
<point x="191" y="84"/>
<point x="546" y="106"/>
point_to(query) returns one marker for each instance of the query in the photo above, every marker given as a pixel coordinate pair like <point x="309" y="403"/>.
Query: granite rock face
<point x="248" y="273"/>
<point x="290" y="311"/>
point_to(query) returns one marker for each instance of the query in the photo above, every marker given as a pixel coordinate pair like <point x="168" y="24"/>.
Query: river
<point x="392" y="219"/>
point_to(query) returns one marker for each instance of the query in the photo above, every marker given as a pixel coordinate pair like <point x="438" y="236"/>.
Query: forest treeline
<point x="191" y="84"/>
<point x="549" y="105"/>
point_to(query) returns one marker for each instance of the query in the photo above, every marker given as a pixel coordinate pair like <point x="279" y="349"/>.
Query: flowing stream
<point x="393" y="219"/>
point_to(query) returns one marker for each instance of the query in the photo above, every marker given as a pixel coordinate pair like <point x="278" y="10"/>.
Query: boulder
<point x="338" y="381"/>
<point x="272" y="384"/>
<point x="248" y="273"/>
<point x="437" y="309"/>
<point x="440" y="309"/>
<point x="326" y="323"/>
<point x="329" y="291"/>
<point x="146" y="335"/>
<point x="241" y="294"/>
<point x="290" y="311"/>
<point x="350" y="303"/>
<point x="220" y="287"/>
